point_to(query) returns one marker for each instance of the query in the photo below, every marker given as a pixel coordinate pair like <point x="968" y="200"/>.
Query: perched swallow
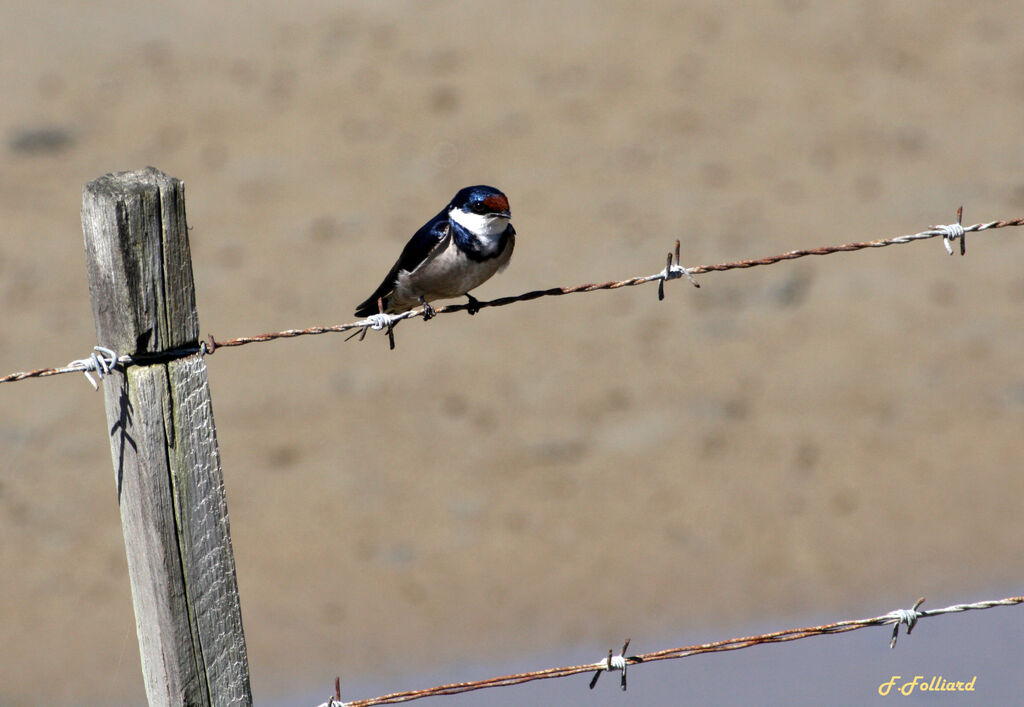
<point x="452" y="253"/>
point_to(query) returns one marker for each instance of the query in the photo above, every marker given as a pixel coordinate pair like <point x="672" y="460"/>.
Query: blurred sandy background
<point x="830" y="436"/>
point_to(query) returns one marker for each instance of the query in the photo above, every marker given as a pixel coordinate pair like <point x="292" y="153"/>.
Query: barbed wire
<point x="613" y="663"/>
<point x="103" y="361"/>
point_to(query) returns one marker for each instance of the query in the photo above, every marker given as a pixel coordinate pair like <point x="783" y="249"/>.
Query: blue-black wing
<point x="416" y="251"/>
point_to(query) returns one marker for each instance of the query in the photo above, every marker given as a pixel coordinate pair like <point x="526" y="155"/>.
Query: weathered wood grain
<point x="164" y="443"/>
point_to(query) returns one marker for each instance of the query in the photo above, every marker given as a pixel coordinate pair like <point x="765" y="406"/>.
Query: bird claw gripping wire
<point x="614" y="662"/>
<point x="102" y="362"/>
<point x="904" y="616"/>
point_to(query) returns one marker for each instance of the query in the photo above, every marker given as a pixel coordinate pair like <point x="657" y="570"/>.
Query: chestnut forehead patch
<point x="496" y="202"/>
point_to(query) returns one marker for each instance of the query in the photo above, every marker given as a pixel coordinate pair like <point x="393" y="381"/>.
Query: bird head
<point x="481" y="210"/>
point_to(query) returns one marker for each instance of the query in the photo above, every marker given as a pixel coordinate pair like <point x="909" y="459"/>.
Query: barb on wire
<point x="954" y="231"/>
<point x="672" y="271"/>
<point x="904" y="616"/>
<point x="335" y="699"/>
<point x="616" y="662"/>
<point x="619" y="662"/>
<point x="102" y="362"/>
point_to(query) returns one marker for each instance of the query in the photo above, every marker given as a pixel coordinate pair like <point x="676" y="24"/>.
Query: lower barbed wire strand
<point x="897" y="617"/>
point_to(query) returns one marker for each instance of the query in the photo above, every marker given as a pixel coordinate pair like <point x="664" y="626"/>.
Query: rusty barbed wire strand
<point x="672" y="271"/>
<point x="908" y="617"/>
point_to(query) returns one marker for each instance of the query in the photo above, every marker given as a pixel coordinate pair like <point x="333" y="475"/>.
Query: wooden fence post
<point x="163" y="443"/>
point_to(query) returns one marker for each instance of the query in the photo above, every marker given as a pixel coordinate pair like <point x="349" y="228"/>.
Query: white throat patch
<point x="482" y="225"/>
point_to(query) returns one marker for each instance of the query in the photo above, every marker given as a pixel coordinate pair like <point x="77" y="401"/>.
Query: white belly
<point x="449" y="274"/>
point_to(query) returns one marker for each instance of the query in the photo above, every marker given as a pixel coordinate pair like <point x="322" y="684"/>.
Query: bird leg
<point x="428" y="311"/>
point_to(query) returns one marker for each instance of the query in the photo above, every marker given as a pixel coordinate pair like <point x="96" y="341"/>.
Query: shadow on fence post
<point x="164" y="443"/>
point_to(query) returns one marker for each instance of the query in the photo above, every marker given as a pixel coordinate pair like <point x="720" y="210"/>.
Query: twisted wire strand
<point x="893" y="618"/>
<point x="672" y="271"/>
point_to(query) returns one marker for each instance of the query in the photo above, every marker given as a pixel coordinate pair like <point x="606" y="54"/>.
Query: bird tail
<point x="369" y="306"/>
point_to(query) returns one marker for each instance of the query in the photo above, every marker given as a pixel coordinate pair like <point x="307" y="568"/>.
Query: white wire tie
<point x="904" y="616"/>
<point x="102" y="362"/>
<point x="677" y="271"/>
<point x="379" y="321"/>
<point x="617" y="662"/>
<point x="950" y="233"/>
<point x="613" y="663"/>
